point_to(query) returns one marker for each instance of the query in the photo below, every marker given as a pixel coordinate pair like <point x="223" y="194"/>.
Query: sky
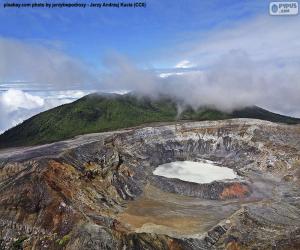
<point x="226" y="54"/>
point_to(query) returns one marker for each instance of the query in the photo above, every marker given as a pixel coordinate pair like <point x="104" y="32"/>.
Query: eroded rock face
<point x="98" y="192"/>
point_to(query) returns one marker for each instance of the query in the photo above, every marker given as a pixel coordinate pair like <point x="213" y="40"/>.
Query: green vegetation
<point x="106" y="112"/>
<point x="64" y="240"/>
<point x="18" y="244"/>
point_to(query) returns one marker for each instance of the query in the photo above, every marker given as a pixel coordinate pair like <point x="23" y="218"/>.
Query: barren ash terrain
<point x="98" y="191"/>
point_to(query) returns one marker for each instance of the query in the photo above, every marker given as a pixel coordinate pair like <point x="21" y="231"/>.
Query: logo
<point x="283" y="8"/>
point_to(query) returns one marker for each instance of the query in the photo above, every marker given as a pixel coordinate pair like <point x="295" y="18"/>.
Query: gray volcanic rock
<point x="97" y="191"/>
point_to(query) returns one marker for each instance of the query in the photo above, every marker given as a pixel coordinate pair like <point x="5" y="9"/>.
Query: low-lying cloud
<point x="234" y="81"/>
<point x="253" y="63"/>
<point x="17" y="105"/>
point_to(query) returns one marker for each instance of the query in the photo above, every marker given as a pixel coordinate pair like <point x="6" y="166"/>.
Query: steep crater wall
<point x="69" y="194"/>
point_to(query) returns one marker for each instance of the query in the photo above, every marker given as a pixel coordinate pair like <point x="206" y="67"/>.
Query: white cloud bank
<point x="14" y="107"/>
<point x="252" y="63"/>
<point x="49" y="76"/>
<point x="235" y="81"/>
<point x="17" y="105"/>
<point x="12" y="100"/>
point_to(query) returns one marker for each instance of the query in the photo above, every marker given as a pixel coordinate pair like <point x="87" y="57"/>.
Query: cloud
<point x="17" y="105"/>
<point x="168" y="74"/>
<point x="37" y="63"/>
<point x="49" y="76"/>
<point x="232" y="82"/>
<point x="252" y="63"/>
<point x="12" y="100"/>
<point x="264" y="38"/>
<point x="14" y="107"/>
<point x="184" y="64"/>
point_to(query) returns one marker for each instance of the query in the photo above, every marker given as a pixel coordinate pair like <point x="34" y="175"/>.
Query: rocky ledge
<point x="97" y="191"/>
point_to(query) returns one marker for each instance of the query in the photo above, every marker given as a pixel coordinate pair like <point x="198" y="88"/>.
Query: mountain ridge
<point x="106" y="112"/>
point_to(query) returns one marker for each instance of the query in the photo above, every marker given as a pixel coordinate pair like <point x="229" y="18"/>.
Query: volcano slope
<point x="97" y="191"/>
<point x="98" y="112"/>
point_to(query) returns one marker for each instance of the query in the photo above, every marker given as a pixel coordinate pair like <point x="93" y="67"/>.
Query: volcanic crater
<point x="100" y="191"/>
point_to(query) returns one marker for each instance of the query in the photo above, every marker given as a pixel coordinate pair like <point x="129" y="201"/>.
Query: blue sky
<point x="227" y="54"/>
<point x="146" y="35"/>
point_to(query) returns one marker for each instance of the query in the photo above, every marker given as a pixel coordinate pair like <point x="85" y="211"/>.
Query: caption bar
<point x="75" y="5"/>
